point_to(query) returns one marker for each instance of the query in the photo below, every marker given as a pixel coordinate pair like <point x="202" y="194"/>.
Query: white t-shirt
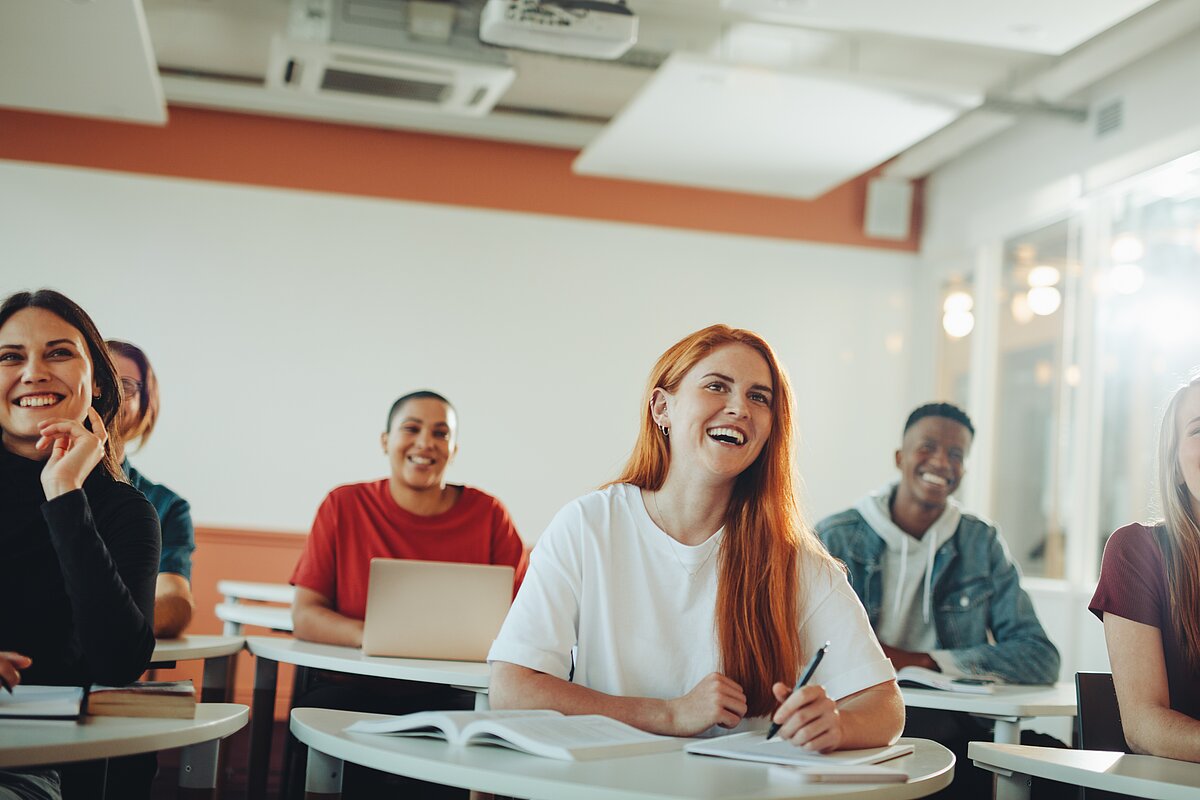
<point x="639" y="606"/>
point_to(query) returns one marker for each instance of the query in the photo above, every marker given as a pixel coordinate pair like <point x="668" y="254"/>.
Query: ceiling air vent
<point x="1110" y="117"/>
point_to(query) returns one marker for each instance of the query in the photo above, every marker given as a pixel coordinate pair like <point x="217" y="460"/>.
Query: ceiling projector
<point x="583" y="28"/>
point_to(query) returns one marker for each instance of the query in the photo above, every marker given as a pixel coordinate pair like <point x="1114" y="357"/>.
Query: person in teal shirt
<point x="173" y="602"/>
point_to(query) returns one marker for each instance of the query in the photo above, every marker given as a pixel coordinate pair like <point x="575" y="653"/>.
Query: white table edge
<point x="469" y="776"/>
<point x="212" y="721"/>
<point x="295" y="651"/>
<point x="1023" y="760"/>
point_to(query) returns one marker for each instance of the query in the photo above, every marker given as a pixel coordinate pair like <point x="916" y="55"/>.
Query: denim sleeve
<point x="1022" y="653"/>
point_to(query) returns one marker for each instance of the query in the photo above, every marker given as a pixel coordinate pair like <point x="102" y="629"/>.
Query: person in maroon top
<point x="1149" y="599"/>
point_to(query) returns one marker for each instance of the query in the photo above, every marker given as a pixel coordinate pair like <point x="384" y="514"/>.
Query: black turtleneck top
<point x="77" y="575"/>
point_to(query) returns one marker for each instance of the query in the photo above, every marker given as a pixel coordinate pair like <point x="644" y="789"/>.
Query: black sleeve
<point x="109" y="580"/>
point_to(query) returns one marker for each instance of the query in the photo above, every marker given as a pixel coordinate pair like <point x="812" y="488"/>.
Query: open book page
<point x="447" y="725"/>
<point x="752" y="746"/>
<point x="575" y="738"/>
<point x="41" y="702"/>
<point x="929" y="679"/>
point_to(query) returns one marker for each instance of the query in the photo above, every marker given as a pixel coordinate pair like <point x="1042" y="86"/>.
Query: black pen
<point x="7" y="688"/>
<point x="805" y="677"/>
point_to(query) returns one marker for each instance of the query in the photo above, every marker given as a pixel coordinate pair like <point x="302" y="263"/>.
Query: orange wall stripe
<point x="373" y="162"/>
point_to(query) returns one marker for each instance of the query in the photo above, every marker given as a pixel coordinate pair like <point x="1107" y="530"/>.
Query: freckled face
<point x="721" y="414"/>
<point x="45" y="373"/>
<point x="421" y="443"/>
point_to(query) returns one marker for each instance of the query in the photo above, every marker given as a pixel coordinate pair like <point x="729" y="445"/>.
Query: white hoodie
<point x="905" y="614"/>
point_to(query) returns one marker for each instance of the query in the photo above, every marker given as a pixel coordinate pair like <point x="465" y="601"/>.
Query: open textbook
<point x="753" y="746"/>
<point x="540" y="733"/>
<point x="41" y="702"/>
<point x="928" y="679"/>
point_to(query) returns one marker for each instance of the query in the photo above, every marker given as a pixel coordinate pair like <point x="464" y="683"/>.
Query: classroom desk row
<point x="504" y="772"/>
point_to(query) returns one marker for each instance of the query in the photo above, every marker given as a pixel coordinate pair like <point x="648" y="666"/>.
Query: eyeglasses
<point x="131" y="387"/>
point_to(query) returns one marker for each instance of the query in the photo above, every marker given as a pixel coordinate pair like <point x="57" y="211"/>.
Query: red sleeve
<point x="507" y="547"/>
<point x="1132" y="578"/>
<point x="317" y="568"/>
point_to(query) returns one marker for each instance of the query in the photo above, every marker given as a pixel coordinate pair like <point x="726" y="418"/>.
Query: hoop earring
<point x="666" y="432"/>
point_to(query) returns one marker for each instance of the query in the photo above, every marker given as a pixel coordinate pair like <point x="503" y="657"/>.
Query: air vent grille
<point x="1110" y="117"/>
<point x="381" y="86"/>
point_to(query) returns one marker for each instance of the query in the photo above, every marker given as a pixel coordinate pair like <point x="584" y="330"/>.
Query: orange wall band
<point x="374" y="162"/>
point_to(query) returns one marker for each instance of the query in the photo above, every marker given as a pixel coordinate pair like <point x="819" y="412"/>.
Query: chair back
<point x="1099" y="715"/>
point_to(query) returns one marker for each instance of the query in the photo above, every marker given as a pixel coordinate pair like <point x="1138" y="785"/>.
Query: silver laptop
<point x="435" y="609"/>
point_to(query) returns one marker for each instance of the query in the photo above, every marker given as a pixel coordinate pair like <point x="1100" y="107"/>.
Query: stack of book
<point x="175" y="699"/>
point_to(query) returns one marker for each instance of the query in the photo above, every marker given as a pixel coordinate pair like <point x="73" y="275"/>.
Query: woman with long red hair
<point x="685" y="596"/>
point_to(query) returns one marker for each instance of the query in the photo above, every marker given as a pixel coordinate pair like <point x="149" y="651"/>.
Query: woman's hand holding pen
<point x="807" y="718"/>
<point x="74" y="452"/>
<point x="10" y="664"/>
<point x="715" y="700"/>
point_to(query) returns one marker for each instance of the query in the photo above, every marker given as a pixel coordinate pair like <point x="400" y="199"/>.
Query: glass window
<point x="954" y="349"/>
<point x="1148" y="330"/>
<point x="1035" y="380"/>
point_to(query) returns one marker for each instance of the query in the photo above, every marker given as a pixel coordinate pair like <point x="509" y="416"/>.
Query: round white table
<point x="217" y="652"/>
<point x="32" y="743"/>
<point x="271" y="651"/>
<point x="660" y="776"/>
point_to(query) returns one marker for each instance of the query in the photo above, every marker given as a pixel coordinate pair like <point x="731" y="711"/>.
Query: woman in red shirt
<point x="1149" y="599"/>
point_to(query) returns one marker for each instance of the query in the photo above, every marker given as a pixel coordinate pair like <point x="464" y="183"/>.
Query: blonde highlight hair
<point x="1181" y="542"/>
<point x="758" y="604"/>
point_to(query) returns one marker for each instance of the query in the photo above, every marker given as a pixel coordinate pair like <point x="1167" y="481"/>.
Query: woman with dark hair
<point x="173" y="602"/>
<point x="1148" y="597"/>
<point x="79" y="544"/>
<point x="686" y="595"/>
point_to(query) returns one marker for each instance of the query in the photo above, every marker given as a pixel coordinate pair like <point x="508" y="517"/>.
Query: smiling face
<point x="720" y="415"/>
<point x="1187" y="423"/>
<point x="421" y="443"/>
<point x="931" y="459"/>
<point x="131" y="377"/>
<point x="45" y="373"/>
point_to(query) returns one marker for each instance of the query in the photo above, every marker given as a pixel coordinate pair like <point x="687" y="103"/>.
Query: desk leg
<point x="198" y="770"/>
<point x="323" y="777"/>
<point x="1007" y="731"/>
<point x="215" y="687"/>
<point x="1013" y="787"/>
<point x="262" y="724"/>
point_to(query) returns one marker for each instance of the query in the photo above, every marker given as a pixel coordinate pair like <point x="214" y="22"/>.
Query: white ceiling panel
<point x="702" y="123"/>
<point x="84" y="57"/>
<point x="1037" y="26"/>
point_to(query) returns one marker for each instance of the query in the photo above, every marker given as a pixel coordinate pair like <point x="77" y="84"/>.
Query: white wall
<point x="283" y="324"/>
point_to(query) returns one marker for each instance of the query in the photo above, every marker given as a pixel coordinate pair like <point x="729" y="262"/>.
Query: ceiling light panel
<point x="98" y="62"/>
<point x="713" y="125"/>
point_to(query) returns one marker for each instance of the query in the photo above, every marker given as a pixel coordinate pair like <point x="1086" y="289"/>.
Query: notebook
<point x="41" y="702"/>
<point x="753" y="746"/>
<point x="435" y="609"/>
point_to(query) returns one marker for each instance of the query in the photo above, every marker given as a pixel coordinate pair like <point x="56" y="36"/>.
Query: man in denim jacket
<point x="938" y="585"/>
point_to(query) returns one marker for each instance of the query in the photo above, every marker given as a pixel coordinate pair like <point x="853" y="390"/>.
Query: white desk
<point x="662" y="776"/>
<point x="1008" y="705"/>
<point x="235" y="591"/>
<point x="217" y="653"/>
<point x="235" y="615"/>
<point x="271" y="651"/>
<point x="26" y="743"/>
<point x="1140" y="776"/>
